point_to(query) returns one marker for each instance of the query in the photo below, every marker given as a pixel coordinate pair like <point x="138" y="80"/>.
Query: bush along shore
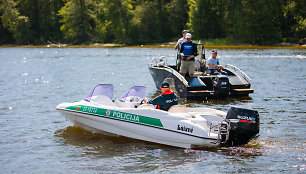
<point x="133" y="22"/>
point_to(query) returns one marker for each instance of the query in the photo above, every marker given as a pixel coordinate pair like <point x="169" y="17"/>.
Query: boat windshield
<point x="101" y="89"/>
<point x="138" y="91"/>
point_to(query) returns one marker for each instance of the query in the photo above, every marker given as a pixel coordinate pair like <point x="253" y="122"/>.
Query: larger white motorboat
<point x="180" y="126"/>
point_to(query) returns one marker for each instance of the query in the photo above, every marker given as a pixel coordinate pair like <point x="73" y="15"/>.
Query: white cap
<point x="214" y="51"/>
<point x="188" y="35"/>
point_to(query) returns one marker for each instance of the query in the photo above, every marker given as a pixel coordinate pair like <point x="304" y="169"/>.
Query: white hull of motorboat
<point x="179" y="126"/>
<point x="176" y="129"/>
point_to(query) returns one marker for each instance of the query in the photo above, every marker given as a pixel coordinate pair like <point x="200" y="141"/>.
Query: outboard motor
<point x="244" y="125"/>
<point x="221" y="85"/>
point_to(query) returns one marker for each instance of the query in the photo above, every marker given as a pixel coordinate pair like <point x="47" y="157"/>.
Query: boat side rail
<point x="147" y="106"/>
<point x="236" y="69"/>
<point x="162" y="60"/>
<point x="175" y="73"/>
<point x="159" y="62"/>
<point x="178" y="75"/>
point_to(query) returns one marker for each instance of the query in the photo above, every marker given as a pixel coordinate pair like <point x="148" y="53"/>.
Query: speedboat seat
<point x="180" y="110"/>
<point x="177" y="109"/>
<point x="147" y="106"/>
<point x="132" y="97"/>
<point x="101" y="89"/>
<point x="129" y="102"/>
<point x="102" y="100"/>
<point x="102" y="94"/>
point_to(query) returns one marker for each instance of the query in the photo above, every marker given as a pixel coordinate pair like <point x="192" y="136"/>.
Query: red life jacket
<point x="167" y="92"/>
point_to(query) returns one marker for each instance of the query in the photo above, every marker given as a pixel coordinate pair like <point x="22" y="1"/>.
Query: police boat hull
<point x="180" y="126"/>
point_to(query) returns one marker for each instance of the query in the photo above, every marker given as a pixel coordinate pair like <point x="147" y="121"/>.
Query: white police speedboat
<point x="180" y="126"/>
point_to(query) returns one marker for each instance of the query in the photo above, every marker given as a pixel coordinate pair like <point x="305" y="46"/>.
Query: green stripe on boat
<point x="117" y="115"/>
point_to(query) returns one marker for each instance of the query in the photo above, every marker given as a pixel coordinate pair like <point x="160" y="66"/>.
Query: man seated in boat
<point x="164" y="101"/>
<point x="214" y="67"/>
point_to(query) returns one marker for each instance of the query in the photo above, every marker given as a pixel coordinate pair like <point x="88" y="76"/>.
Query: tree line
<point x="149" y="21"/>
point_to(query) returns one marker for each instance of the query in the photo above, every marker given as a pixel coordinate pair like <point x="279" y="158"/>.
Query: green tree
<point x="48" y="20"/>
<point x="117" y="19"/>
<point x="206" y="18"/>
<point x="43" y="19"/>
<point x="144" y="20"/>
<point x="259" y="24"/>
<point x="153" y="22"/>
<point x="178" y="17"/>
<point x="233" y="14"/>
<point x="293" y="21"/>
<point x="15" y="23"/>
<point x="78" y="20"/>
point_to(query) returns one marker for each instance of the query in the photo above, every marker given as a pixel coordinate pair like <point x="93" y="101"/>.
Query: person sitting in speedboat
<point x="164" y="101"/>
<point x="214" y="67"/>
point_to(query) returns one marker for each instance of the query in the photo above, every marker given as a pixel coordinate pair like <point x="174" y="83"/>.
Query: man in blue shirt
<point x="165" y="100"/>
<point x="214" y="67"/>
<point x="188" y="52"/>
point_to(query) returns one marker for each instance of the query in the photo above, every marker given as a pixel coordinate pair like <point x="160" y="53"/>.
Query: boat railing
<point x="239" y="71"/>
<point x="163" y="62"/>
<point x="178" y="75"/>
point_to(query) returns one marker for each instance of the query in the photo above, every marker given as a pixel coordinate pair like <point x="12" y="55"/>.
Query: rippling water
<point x="35" y="138"/>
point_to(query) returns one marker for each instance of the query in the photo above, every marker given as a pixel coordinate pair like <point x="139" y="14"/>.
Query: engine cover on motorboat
<point x="180" y="126"/>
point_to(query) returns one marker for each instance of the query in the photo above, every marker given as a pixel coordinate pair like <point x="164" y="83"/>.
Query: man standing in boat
<point x="214" y="67"/>
<point x="189" y="50"/>
<point x="181" y="40"/>
<point x="164" y="101"/>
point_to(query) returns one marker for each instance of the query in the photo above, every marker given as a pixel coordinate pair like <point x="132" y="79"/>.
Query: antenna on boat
<point x="201" y="50"/>
<point x="178" y="58"/>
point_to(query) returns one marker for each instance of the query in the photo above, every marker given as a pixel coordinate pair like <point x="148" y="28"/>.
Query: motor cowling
<point x="221" y="85"/>
<point x="244" y="125"/>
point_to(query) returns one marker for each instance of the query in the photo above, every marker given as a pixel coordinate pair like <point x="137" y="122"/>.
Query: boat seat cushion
<point x="177" y="109"/>
<point x="125" y="104"/>
<point x="147" y="106"/>
<point x="102" y="100"/>
<point x="194" y="81"/>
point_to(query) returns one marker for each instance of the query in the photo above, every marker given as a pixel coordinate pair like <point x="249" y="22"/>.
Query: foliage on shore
<point x="257" y="22"/>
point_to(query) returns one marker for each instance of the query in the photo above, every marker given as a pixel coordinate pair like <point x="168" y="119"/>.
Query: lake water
<point x="35" y="138"/>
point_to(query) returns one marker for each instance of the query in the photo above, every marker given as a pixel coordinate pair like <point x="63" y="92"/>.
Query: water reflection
<point x="104" y="146"/>
<point x="134" y="156"/>
<point x="81" y="138"/>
